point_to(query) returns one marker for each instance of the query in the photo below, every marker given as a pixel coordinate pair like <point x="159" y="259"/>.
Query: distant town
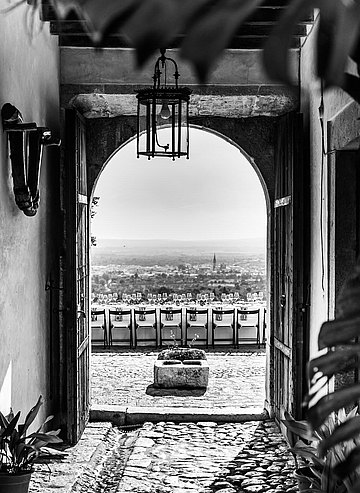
<point x="242" y="275"/>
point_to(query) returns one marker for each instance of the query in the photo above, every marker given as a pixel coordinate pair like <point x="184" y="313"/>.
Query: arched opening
<point x="203" y="223"/>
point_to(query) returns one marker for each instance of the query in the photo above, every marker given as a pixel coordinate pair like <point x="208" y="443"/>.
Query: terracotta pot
<point x="303" y="475"/>
<point x="14" y="483"/>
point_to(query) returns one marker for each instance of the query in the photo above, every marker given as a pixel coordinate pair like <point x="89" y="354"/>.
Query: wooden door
<point x="77" y="285"/>
<point x="289" y="265"/>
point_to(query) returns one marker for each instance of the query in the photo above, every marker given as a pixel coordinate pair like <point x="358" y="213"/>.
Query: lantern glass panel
<point x="162" y="126"/>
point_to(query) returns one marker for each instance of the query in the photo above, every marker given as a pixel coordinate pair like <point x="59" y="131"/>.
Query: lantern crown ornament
<point x="163" y="114"/>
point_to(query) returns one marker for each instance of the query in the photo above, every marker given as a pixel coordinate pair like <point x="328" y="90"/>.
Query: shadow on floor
<point x="158" y="392"/>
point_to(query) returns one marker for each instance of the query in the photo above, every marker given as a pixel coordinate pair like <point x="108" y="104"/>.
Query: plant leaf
<point x="11" y="426"/>
<point x="32" y="415"/>
<point x="347" y="467"/>
<point x="45" y="438"/>
<point x="300" y="428"/>
<point x="351" y="85"/>
<point x="338" y="331"/>
<point x="338" y="33"/>
<point x="318" y="413"/>
<point x="355" y="488"/>
<point x="212" y="33"/>
<point x="276" y="50"/>
<point x="333" y="361"/>
<point x="168" y="19"/>
<point x="345" y="431"/>
<point x="4" y="422"/>
<point x="101" y="16"/>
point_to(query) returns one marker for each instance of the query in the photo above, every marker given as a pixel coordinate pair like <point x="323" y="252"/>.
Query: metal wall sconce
<point x="165" y="107"/>
<point x="26" y="143"/>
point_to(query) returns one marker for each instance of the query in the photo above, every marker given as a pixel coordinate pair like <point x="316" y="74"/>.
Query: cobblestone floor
<point x="206" y="457"/>
<point x="237" y="379"/>
<point x="202" y="457"/>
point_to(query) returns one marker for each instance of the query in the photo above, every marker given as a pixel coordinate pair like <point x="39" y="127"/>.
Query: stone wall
<point x="28" y="255"/>
<point x="330" y="244"/>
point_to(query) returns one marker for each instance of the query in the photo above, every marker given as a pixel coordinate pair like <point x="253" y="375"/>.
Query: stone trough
<point x="181" y="368"/>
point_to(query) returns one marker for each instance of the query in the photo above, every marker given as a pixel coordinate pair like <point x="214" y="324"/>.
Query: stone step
<point x="126" y="415"/>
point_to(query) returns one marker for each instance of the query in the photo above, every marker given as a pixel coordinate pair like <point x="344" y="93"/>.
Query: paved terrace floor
<point x="125" y="378"/>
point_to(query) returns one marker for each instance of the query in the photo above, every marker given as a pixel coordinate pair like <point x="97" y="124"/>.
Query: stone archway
<point x="253" y="137"/>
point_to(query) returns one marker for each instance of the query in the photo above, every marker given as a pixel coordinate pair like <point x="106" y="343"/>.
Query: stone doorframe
<point x="343" y="135"/>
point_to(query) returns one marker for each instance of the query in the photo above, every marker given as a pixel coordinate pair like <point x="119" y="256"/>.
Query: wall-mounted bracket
<point x="26" y="142"/>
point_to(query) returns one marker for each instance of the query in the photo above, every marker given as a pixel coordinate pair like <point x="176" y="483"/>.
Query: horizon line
<point x="182" y="239"/>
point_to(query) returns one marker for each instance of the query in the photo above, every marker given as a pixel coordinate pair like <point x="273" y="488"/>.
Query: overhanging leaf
<point x="213" y="32"/>
<point x="345" y="431"/>
<point x="333" y="361"/>
<point x="99" y="15"/>
<point x="168" y="19"/>
<point x="332" y="402"/>
<point x="276" y="50"/>
<point x="339" y="331"/>
<point x="325" y="34"/>
<point x="339" y="27"/>
<point x="351" y="85"/>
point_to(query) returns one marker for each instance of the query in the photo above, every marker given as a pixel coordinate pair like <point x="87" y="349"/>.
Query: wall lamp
<point x="166" y="107"/>
<point x="26" y="143"/>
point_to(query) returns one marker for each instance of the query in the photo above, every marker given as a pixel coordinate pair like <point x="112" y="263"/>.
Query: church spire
<point x="214" y="262"/>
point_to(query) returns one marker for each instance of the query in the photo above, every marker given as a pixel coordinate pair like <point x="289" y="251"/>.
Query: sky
<point x="215" y="194"/>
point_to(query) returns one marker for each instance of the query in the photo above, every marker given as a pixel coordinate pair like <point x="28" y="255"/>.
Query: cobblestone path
<point x="205" y="457"/>
<point x="237" y="379"/>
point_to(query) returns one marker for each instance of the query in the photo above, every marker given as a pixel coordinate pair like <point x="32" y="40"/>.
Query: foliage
<point x="203" y="41"/>
<point x="19" y="450"/>
<point x="93" y="211"/>
<point x="340" y="338"/>
<point x="317" y="457"/>
<point x="182" y="353"/>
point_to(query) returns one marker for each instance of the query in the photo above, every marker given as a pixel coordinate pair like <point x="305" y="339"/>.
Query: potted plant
<point x="19" y="449"/>
<point x="313" y="458"/>
<point x="181" y="353"/>
<point x="181" y="367"/>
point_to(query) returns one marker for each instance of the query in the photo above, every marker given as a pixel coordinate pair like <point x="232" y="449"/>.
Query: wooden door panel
<point x="77" y="217"/>
<point x="288" y="266"/>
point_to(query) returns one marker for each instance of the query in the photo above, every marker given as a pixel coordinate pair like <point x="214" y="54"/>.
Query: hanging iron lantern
<point x="163" y="115"/>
